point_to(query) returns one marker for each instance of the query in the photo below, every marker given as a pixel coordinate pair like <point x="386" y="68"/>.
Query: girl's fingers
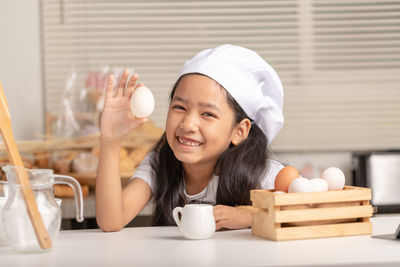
<point x="219" y="214"/>
<point x="133" y="80"/>
<point x="110" y="86"/>
<point x="138" y="85"/>
<point x="131" y="85"/>
<point x="130" y="92"/>
<point x="122" y="83"/>
<point x="220" y="217"/>
<point x="219" y="225"/>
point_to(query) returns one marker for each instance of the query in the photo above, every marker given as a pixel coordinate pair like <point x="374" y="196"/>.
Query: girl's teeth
<point x="188" y="143"/>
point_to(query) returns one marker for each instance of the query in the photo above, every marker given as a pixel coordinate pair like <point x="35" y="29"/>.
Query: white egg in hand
<point x="300" y="185"/>
<point x="142" y="102"/>
<point x="319" y="185"/>
<point x="334" y="177"/>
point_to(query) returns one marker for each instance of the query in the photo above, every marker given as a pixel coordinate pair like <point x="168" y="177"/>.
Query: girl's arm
<point x="116" y="207"/>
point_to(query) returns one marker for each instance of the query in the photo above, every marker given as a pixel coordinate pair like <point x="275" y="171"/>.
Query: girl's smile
<point x="188" y="142"/>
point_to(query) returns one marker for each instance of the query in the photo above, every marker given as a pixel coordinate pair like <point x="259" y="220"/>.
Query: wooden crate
<point x="312" y="215"/>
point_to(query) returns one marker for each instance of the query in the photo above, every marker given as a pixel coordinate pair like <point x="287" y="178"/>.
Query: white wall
<point x="20" y="66"/>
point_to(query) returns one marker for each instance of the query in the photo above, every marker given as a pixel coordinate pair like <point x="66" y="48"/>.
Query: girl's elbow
<point x="109" y="227"/>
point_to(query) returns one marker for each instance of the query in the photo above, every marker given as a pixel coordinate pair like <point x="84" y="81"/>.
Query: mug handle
<point x="175" y="213"/>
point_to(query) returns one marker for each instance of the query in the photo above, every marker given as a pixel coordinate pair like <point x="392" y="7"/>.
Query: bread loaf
<point x="62" y="190"/>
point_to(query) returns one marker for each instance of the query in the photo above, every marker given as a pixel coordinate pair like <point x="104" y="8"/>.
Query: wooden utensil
<point x="22" y="177"/>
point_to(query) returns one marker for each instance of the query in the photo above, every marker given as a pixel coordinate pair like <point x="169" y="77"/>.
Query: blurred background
<point x="339" y="61"/>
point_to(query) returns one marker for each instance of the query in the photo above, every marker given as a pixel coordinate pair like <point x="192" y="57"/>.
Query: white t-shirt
<point x="209" y="194"/>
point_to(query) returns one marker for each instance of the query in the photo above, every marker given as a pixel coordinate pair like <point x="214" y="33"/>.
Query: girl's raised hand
<point x="117" y="119"/>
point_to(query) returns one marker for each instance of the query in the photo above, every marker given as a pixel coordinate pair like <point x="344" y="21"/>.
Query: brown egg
<point x="285" y="177"/>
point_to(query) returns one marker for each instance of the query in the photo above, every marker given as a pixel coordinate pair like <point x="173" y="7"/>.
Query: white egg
<point x="299" y="185"/>
<point x="142" y="102"/>
<point x="334" y="177"/>
<point x="319" y="185"/>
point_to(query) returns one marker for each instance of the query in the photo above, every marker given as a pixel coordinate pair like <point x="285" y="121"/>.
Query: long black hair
<point x="239" y="169"/>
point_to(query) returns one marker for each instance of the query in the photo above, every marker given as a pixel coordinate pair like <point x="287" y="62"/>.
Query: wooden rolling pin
<point x="22" y="177"/>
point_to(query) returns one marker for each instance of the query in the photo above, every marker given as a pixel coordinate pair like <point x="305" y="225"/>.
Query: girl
<point x="225" y="109"/>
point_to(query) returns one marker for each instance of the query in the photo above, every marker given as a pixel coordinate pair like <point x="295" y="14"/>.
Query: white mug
<point x="196" y="222"/>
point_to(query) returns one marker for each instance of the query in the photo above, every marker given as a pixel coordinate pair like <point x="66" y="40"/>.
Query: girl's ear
<point x="241" y="131"/>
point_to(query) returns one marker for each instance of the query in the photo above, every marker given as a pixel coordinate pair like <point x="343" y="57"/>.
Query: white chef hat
<point x="251" y="81"/>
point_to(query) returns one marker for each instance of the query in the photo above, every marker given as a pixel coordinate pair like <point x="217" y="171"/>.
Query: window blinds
<point x="339" y="60"/>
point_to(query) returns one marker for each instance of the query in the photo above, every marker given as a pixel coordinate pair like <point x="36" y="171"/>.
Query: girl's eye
<point x="178" y="107"/>
<point x="208" y="114"/>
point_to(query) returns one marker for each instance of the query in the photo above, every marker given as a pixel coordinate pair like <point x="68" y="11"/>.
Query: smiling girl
<point x="225" y="109"/>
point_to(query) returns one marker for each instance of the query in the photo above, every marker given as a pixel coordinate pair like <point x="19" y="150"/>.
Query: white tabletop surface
<point x="164" y="246"/>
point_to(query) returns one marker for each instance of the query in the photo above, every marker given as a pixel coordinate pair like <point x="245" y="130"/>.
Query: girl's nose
<point x="189" y="123"/>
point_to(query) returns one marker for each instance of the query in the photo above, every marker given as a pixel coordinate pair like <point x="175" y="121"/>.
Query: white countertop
<point x="164" y="246"/>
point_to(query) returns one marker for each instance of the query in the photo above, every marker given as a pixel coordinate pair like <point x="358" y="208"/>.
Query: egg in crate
<point x="300" y="185"/>
<point x="285" y="177"/>
<point x="334" y="177"/>
<point x="318" y="185"/>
